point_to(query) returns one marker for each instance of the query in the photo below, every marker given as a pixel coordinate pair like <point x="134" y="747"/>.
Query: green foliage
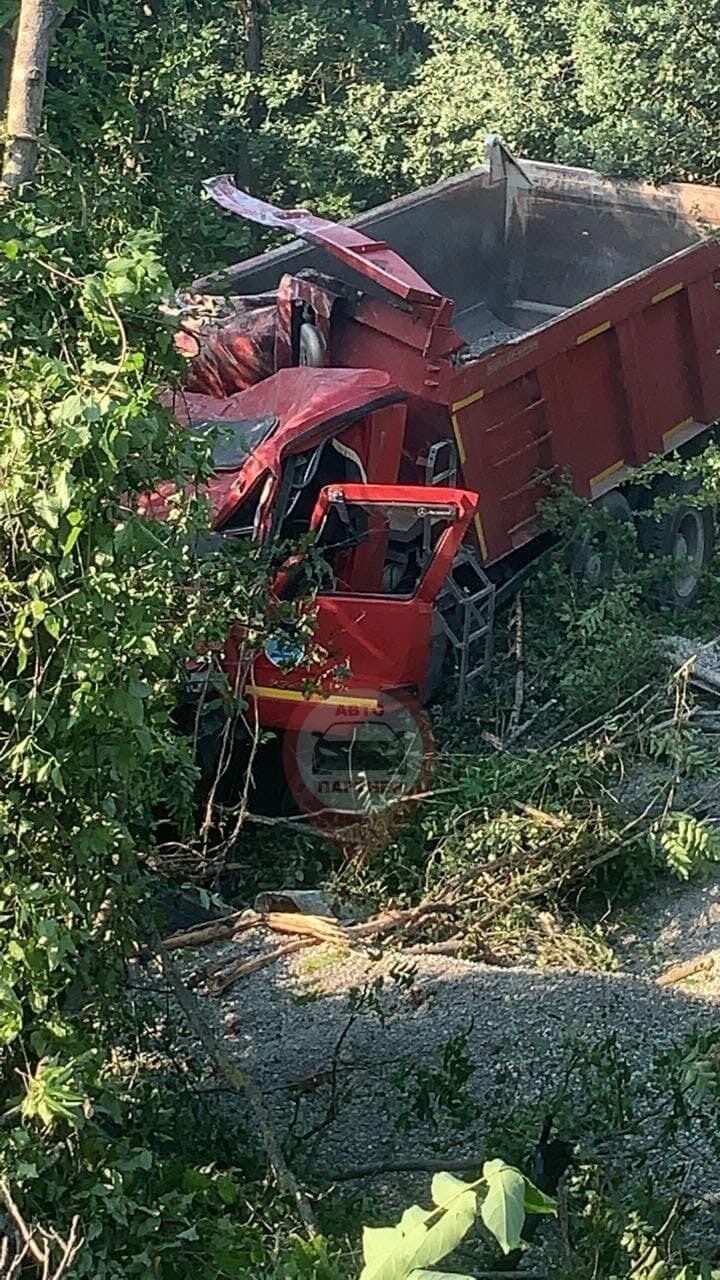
<point x="98" y="610"/>
<point x="145" y="101"/>
<point x="337" y="107"/>
<point x="50" y="1095"/>
<point x="423" y="1237"/>
<point x="436" y="1093"/>
<point x="684" y="843"/>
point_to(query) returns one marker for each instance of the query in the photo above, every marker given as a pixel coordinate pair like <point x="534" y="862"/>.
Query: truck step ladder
<point x="467" y="613"/>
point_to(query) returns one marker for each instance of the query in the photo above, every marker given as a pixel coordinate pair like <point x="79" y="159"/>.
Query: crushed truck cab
<point x="292" y="456"/>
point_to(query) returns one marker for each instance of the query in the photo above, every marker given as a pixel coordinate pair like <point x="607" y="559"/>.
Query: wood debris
<point x="688" y="969"/>
<point x="309" y="930"/>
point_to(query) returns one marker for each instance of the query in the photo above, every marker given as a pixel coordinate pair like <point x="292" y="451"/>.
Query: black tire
<point x="589" y="558"/>
<point x="686" y="536"/>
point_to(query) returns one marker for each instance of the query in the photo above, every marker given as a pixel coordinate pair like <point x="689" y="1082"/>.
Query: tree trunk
<point x="7" y="49"/>
<point x="38" y="22"/>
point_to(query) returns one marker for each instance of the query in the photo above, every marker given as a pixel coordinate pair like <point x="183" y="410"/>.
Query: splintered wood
<point x="309" y="930"/>
<point x="703" y="964"/>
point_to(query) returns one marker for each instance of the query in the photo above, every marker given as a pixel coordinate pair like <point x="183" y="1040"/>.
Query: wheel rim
<point x="595" y="567"/>
<point x="688" y="552"/>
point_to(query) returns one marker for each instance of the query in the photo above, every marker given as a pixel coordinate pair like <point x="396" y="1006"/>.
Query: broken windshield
<point x="235" y="441"/>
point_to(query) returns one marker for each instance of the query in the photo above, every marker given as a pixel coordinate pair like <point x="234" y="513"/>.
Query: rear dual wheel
<point x="596" y="557"/>
<point x="685" y="536"/>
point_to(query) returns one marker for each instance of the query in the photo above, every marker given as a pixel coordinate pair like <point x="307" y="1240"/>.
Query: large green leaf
<point x="503" y="1209"/>
<point x="422" y="1237"/>
<point x="386" y="1252"/>
<point x="459" y="1205"/>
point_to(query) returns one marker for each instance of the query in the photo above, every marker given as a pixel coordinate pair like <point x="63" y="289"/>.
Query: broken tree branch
<point x="226" y="977"/>
<point x="687" y="969"/>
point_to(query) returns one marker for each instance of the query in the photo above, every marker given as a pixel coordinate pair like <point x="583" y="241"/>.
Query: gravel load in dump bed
<point x="484" y="330"/>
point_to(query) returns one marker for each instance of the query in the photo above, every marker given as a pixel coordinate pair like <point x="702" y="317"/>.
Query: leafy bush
<point x="98" y="609"/>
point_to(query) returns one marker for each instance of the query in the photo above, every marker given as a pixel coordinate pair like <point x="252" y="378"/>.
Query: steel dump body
<point x="584" y="336"/>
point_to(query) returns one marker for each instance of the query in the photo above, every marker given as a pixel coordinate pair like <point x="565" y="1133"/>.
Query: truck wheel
<point x="591" y="558"/>
<point x="687" y="537"/>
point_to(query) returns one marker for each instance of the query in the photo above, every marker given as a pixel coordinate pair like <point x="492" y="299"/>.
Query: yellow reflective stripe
<point x="458" y="439"/>
<point x="609" y="471"/>
<point x="665" y="293"/>
<point x="675" y="431"/>
<point x="463" y="404"/>
<point x="296" y="695"/>
<point x="593" y="333"/>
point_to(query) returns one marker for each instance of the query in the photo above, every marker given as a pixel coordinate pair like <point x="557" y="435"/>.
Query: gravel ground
<point x="586" y="1046"/>
<point x="522" y="1025"/>
<point x="678" y="923"/>
<point x="525" y="1035"/>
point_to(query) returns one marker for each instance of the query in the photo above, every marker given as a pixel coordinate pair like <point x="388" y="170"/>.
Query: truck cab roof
<point x="294" y="407"/>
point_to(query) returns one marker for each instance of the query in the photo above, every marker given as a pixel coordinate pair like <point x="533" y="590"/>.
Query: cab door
<point x="389" y="549"/>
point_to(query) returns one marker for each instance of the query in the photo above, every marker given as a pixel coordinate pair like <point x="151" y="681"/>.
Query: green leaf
<point x="422" y="1237"/>
<point x="503" y="1209"/>
<point x="46" y="510"/>
<point x="536" y="1201"/>
<point x="386" y="1254"/>
<point x="227" y="1189"/>
<point x="71" y="539"/>
<point x="444" y="1188"/>
<point x="11" y="1014"/>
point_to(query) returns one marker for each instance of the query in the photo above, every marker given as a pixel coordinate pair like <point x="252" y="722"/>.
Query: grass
<point x="320" y="959"/>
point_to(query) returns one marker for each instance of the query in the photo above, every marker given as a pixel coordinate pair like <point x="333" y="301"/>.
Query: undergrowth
<point x="562" y="792"/>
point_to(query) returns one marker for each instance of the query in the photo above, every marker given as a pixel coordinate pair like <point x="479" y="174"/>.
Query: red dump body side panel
<point x="632" y="373"/>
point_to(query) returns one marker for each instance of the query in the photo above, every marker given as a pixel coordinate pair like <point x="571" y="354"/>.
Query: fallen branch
<point x="541" y="816"/>
<point x="687" y="969"/>
<point x="226" y="977"/>
<point x="41" y="1253"/>
<point x="216" y="931"/>
<point x="389" y="921"/>
<point x="23" y="1230"/>
<point x="322" y="928"/>
<point x="242" y="1083"/>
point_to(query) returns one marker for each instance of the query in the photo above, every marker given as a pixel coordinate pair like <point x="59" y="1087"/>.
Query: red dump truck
<point x="410" y="384"/>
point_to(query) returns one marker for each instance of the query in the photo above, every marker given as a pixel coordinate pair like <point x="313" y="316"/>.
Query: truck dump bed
<point x="515" y="244"/>
<point x="574" y="327"/>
